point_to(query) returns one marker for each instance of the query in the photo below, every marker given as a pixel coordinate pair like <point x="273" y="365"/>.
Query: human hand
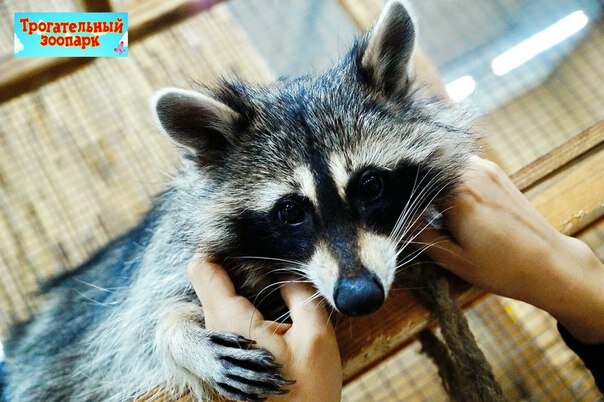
<point x="499" y="242"/>
<point x="307" y="348"/>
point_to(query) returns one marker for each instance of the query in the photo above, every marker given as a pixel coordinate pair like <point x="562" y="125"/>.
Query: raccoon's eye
<point x="371" y="185"/>
<point x="290" y="213"/>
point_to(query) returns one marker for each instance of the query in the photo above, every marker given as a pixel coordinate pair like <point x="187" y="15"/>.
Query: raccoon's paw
<point x="246" y="373"/>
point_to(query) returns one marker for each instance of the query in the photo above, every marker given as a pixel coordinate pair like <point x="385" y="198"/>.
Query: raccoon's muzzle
<point x="359" y="295"/>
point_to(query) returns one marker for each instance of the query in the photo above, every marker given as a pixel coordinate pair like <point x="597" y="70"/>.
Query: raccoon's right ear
<point x="195" y="121"/>
<point x="386" y="55"/>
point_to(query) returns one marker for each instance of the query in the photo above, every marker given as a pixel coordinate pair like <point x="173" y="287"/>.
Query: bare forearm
<point x="578" y="301"/>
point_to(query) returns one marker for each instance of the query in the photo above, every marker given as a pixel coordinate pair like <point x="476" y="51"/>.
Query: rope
<point x="466" y="374"/>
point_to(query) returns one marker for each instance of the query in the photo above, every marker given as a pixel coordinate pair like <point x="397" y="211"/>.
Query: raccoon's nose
<point x="358" y="296"/>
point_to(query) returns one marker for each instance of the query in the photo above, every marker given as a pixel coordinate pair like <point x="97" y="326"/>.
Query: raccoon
<point x="323" y="176"/>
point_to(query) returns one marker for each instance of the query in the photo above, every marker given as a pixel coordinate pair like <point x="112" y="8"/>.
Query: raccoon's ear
<point x="195" y="121"/>
<point x="389" y="47"/>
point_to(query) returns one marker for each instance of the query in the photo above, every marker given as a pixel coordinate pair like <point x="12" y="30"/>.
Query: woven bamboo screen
<point x="566" y="103"/>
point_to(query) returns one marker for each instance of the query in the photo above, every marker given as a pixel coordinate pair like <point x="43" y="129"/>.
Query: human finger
<point x="210" y="281"/>
<point x="304" y="304"/>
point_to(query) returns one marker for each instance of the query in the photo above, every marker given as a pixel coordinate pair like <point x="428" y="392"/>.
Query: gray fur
<point x="128" y="321"/>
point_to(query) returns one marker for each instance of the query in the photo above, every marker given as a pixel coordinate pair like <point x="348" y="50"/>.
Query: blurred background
<point x="81" y="159"/>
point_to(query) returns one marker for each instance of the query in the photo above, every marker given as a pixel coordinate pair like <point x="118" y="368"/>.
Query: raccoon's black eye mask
<point x="368" y="188"/>
<point x="374" y="196"/>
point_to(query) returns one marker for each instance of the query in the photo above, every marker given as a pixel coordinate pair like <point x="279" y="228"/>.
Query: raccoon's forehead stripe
<point x="339" y="173"/>
<point x="305" y="181"/>
<point x="301" y="182"/>
<point x="267" y="193"/>
<point x="379" y="150"/>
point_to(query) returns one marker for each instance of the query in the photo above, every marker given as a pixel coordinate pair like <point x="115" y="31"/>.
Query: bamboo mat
<point x="81" y="159"/>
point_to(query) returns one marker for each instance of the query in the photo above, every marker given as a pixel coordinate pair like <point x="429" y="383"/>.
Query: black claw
<point x="272" y="363"/>
<point x="264" y="387"/>
<point x="232" y="341"/>
<point x="269" y="360"/>
<point x="253" y="365"/>
<point x="289" y="382"/>
<point x="282" y="381"/>
<point x="233" y="393"/>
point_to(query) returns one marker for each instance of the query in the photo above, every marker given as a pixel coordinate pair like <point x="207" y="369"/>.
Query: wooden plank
<point x="20" y="75"/>
<point x="146" y="17"/>
<point x="554" y="160"/>
<point x="362" y="12"/>
<point x="577" y="199"/>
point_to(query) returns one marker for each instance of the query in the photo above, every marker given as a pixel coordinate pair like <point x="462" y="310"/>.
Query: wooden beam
<point x="20" y="75"/>
<point x="575" y="197"/>
<point x="548" y="164"/>
<point x="149" y="16"/>
<point x="97" y="6"/>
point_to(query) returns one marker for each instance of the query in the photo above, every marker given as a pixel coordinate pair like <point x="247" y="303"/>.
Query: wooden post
<point x="97" y="5"/>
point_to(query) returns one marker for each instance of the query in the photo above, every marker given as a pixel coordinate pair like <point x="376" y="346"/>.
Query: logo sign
<point x="71" y="34"/>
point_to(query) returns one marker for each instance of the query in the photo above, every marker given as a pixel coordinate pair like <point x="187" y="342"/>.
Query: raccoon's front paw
<point x="246" y="373"/>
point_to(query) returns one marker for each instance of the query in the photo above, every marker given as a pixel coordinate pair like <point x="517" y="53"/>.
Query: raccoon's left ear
<point x="197" y="122"/>
<point x="389" y="47"/>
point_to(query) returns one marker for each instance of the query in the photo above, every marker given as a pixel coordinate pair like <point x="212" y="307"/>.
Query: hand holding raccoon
<point x="499" y="242"/>
<point x="306" y="349"/>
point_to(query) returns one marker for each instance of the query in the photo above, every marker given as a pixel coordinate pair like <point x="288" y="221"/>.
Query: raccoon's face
<point x="323" y="176"/>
